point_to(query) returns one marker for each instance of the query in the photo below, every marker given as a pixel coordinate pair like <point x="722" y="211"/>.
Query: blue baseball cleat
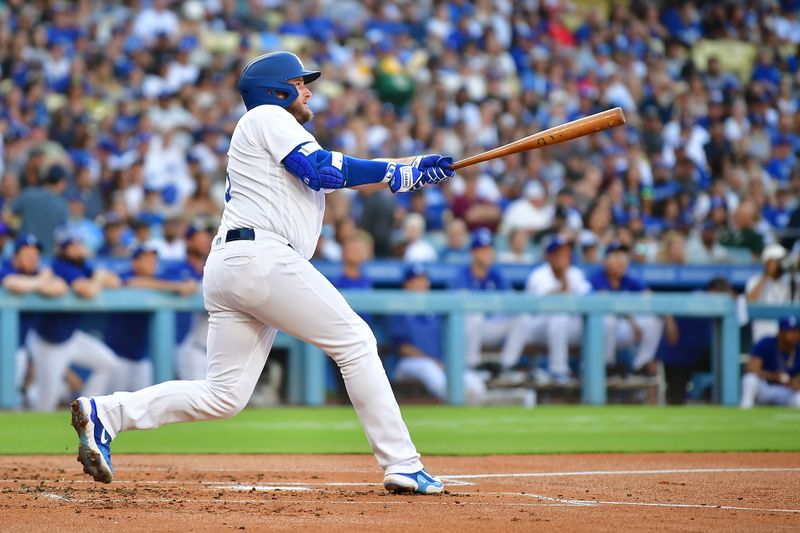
<point x="94" y="452"/>
<point x="421" y="482"/>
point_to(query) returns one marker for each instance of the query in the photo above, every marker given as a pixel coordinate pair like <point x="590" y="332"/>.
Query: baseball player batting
<point x="258" y="280"/>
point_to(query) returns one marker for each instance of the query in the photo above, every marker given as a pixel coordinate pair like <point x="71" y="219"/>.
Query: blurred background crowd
<point x="116" y="116"/>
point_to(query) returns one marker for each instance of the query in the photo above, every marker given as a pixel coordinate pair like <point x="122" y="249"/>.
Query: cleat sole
<point x="90" y="459"/>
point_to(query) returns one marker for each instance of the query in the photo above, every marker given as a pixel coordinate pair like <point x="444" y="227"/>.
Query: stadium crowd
<point x="116" y="118"/>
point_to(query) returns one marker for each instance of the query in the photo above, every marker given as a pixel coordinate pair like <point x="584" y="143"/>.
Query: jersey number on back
<point x="228" y="189"/>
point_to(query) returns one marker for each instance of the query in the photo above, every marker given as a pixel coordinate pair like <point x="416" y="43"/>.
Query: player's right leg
<point x="238" y="348"/>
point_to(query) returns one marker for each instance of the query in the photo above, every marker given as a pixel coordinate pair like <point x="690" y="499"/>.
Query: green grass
<point x="439" y="431"/>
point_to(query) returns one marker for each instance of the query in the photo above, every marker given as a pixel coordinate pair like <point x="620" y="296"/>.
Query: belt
<point x="240" y="234"/>
<point x="247" y="234"/>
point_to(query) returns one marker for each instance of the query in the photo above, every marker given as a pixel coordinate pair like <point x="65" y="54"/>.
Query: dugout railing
<point x="306" y="372"/>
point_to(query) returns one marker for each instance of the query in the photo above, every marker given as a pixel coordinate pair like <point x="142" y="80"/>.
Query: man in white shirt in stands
<point x="533" y="212"/>
<point x="560" y="330"/>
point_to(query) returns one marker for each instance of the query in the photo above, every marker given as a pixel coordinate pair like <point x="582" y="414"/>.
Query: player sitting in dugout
<point x="418" y="338"/>
<point x="773" y="373"/>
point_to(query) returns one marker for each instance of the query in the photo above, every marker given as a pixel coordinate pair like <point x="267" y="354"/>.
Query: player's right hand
<point x="435" y="167"/>
<point x="404" y="178"/>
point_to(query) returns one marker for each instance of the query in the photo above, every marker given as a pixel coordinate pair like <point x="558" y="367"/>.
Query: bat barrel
<point x="558" y="134"/>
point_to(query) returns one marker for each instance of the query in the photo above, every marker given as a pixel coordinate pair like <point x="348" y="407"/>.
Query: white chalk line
<point x="622" y="472"/>
<point x="593" y="503"/>
<point x="453" y="479"/>
<point x="421" y="500"/>
<point x="552" y="502"/>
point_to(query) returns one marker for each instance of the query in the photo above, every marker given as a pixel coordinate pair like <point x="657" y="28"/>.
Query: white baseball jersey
<point x="260" y="192"/>
<point x="253" y="288"/>
<point x="542" y="281"/>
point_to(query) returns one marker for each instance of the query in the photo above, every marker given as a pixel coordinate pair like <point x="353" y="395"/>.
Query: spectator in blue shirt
<point x="783" y="159"/>
<point x="773" y="372"/>
<point x="641" y="331"/>
<point x="418" y="342"/>
<point x="128" y="333"/>
<point x="59" y="342"/>
<point x="24" y="275"/>
<point x="779" y="212"/>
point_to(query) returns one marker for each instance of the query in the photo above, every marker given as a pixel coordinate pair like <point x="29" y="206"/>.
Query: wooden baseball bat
<point x="558" y="134"/>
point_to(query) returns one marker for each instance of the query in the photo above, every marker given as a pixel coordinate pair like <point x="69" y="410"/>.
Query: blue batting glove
<point x="435" y="167"/>
<point x="403" y="178"/>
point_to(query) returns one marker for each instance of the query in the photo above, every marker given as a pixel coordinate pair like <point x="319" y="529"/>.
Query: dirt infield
<point x="638" y="492"/>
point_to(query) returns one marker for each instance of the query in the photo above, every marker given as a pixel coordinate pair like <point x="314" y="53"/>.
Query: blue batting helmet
<point x="265" y="75"/>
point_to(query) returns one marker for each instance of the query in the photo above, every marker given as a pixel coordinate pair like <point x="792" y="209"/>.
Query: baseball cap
<point x="534" y="191"/>
<point x="617" y="246"/>
<point x="26" y="240"/>
<point x="480" y="238"/>
<point x="414" y="270"/>
<point x="65" y="241"/>
<point x="555" y="243"/>
<point x="773" y="251"/>
<point x="783" y="139"/>
<point x="143" y="249"/>
<point x="55" y="174"/>
<point x="111" y="218"/>
<point x="193" y="228"/>
<point x="588" y="239"/>
<point x="716" y="202"/>
<point x="789" y="323"/>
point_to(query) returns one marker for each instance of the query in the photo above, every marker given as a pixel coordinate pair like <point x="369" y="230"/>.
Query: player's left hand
<point x="435" y="167"/>
<point x="404" y="178"/>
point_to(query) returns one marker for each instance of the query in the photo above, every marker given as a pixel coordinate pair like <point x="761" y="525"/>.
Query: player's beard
<point x="300" y="111"/>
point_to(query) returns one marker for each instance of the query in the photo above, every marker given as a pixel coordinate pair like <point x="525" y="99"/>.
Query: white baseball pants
<point x="755" y="389"/>
<point x="434" y="379"/>
<point x="619" y="333"/>
<point x="251" y="290"/>
<point x="482" y="329"/>
<point x="51" y="360"/>
<point x="557" y="331"/>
